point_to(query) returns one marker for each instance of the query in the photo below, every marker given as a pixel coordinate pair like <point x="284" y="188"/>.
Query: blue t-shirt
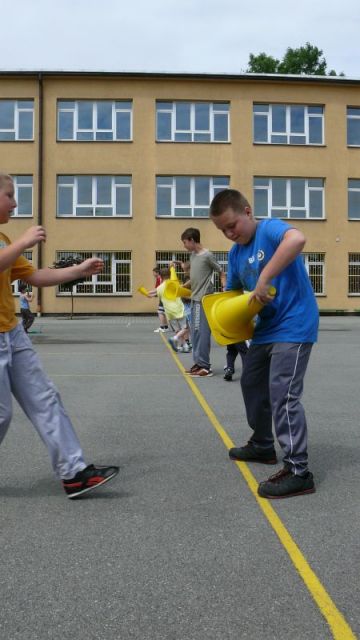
<point x="293" y="316"/>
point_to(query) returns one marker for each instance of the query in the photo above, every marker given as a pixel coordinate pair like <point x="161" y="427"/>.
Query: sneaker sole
<point x="272" y="461"/>
<point x="288" y="495"/>
<point x="99" y="484"/>
<point x="196" y="375"/>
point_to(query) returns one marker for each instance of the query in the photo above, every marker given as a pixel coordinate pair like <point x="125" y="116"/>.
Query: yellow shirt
<point x="20" y="269"/>
<point x="174" y="309"/>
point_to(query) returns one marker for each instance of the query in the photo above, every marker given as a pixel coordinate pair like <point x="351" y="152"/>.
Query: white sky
<point x="205" y="36"/>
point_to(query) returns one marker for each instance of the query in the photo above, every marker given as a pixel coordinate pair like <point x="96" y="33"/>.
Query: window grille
<point x="114" y="280"/>
<point x="354" y="274"/>
<point x="315" y="267"/>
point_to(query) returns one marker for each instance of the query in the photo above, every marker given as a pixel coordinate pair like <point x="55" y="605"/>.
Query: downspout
<point x="40" y="184"/>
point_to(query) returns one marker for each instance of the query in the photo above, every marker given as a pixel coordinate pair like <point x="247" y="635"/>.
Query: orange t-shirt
<point x="19" y="270"/>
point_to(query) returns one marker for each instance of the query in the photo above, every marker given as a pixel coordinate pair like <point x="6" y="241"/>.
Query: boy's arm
<point x="289" y="248"/>
<point x="48" y="277"/>
<point x="152" y="293"/>
<point x="31" y="237"/>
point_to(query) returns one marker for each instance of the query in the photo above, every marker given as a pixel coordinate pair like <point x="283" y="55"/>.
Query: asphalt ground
<point x="178" y="546"/>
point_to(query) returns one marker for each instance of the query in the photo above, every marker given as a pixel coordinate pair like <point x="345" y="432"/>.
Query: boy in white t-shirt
<point x="175" y="313"/>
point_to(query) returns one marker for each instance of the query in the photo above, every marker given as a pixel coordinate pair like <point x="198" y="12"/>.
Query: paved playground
<point x="178" y="547"/>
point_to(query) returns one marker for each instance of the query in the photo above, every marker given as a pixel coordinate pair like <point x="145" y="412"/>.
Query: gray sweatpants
<point x="272" y="386"/>
<point x="200" y="335"/>
<point x="22" y="375"/>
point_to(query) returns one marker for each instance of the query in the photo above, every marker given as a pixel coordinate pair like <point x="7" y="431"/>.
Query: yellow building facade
<point x="118" y="165"/>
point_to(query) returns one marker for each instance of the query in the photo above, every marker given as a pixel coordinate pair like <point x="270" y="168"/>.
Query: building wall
<point x="144" y="158"/>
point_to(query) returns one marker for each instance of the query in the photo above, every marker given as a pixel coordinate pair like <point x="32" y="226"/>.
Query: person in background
<point x="25" y="299"/>
<point x="202" y="268"/>
<point x="160" y="310"/>
<point x="232" y="352"/>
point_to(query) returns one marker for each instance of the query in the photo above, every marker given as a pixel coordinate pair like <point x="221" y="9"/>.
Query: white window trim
<point x="352" y="116"/>
<point x="94" y="278"/>
<point x="353" y="189"/>
<point x="355" y="263"/>
<point x="17" y="111"/>
<point x="17" y="184"/>
<point x="308" y="261"/>
<point x="193" y="131"/>
<point x="288" y="206"/>
<point x="191" y="204"/>
<point x="288" y="133"/>
<point x="94" y="130"/>
<point x="114" y="187"/>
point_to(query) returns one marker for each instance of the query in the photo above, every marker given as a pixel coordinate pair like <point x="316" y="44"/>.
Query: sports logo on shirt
<point x="260" y="257"/>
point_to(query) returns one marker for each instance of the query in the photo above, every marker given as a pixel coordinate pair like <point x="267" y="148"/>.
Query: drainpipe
<point x="40" y="184"/>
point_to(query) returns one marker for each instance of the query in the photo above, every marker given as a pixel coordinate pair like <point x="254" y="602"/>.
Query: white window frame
<point x="92" y="285"/>
<point x="353" y="190"/>
<point x="288" y="206"/>
<point x="17" y="110"/>
<point x="351" y="116"/>
<point x="353" y="274"/>
<point x="193" y="131"/>
<point x="315" y="267"/>
<point x="94" y="129"/>
<point x="73" y="184"/>
<point x="288" y="133"/>
<point x="28" y="254"/>
<point x="23" y="185"/>
<point x="213" y="190"/>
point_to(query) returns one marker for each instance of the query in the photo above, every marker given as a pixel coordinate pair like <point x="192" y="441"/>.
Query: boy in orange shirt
<point x="21" y="372"/>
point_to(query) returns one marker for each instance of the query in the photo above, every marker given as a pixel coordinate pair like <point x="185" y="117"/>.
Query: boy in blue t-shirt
<point x="267" y="253"/>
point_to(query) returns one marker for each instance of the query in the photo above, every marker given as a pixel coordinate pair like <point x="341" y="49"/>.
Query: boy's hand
<point x="90" y="267"/>
<point x="33" y="236"/>
<point x="263" y="293"/>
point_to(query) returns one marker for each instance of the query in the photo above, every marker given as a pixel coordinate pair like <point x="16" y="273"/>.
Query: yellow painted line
<point x="336" y="621"/>
<point x="112" y="375"/>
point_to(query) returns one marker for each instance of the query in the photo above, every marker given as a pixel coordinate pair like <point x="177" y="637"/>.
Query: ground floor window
<point x="15" y="285"/>
<point x="354" y="274"/>
<point x="115" y="279"/>
<point x="315" y="266"/>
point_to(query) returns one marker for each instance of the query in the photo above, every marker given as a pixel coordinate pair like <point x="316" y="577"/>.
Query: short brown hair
<point x="191" y="234"/>
<point x="228" y="199"/>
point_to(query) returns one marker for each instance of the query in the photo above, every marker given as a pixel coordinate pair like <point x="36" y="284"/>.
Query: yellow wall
<point x="143" y="158"/>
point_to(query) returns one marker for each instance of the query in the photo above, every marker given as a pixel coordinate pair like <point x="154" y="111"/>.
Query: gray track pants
<point x="272" y="386"/>
<point x="200" y="336"/>
<point x="21" y="373"/>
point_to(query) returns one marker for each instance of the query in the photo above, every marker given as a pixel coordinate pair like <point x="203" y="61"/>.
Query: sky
<point x="181" y="36"/>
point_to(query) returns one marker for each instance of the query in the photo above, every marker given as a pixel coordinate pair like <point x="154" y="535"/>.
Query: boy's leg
<point x="41" y="402"/>
<point x="5" y="390"/>
<point x="242" y="348"/>
<point x="255" y="388"/>
<point x="231" y="355"/>
<point x="288" y="366"/>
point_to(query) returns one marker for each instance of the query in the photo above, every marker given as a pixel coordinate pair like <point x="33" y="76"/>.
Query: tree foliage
<point x="306" y="60"/>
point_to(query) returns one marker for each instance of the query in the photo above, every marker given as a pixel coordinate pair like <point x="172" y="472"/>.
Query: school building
<point x="119" y="164"/>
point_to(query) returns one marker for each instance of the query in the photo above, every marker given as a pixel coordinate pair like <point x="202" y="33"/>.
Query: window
<point x="15" y="285"/>
<point x="289" y="198"/>
<point x="315" y="267"/>
<point x="353" y="126"/>
<point x="114" y="280"/>
<point x="186" y="196"/>
<point x="88" y="120"/>
<point x="94" y="196"/>
<point x="164" y="258"/>
<point x="16" y="120"/>
<point x="354" y="274"/>
<point x="192" y="121"/>
<point x="288" y="124"/>
<point x="354" y="199"/>
<point x="23" y="196"/>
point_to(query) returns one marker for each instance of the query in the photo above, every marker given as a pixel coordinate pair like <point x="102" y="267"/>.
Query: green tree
<point x="306" y="60"/>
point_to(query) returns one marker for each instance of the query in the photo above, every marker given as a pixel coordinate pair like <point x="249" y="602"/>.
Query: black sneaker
<point x="88" y="479"/>
<point x="248" y="453"/>
<point x="228" y="374"/>
<point x="285" y="484"/>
